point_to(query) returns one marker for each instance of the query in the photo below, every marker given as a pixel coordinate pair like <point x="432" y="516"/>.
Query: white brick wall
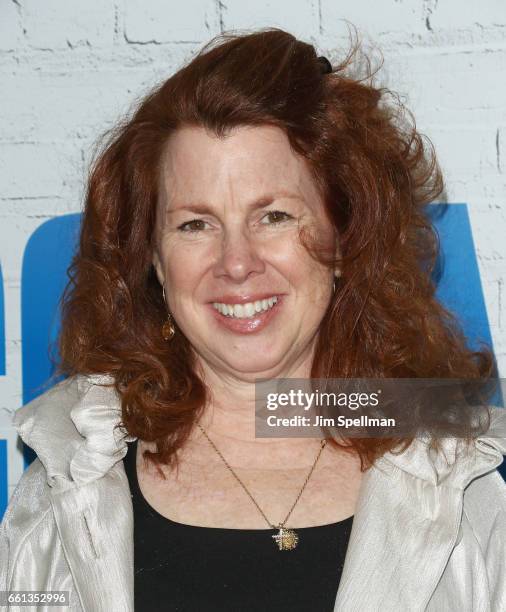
<point x="68" y="69"/>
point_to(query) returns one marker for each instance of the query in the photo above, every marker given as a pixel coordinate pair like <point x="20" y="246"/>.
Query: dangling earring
<point x="168" y="329"/>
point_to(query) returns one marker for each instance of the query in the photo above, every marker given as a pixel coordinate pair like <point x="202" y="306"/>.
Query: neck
<point x="229" y="420"/>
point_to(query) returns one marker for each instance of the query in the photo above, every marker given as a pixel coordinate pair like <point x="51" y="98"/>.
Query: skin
<point x="239" y="245"/>
<point x="239" y="249"/>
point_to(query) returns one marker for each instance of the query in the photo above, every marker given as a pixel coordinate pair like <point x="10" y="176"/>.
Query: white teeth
<point x="249" y="309"/>
<point x="245" y="311"/>
<point x="238" y="311"/>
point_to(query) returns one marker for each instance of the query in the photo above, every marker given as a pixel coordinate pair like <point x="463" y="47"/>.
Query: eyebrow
<point x="202" y="208"/>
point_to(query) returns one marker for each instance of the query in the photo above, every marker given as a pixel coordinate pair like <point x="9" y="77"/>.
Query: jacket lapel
<point x="95" y="523"/>
<point x="407" y="521"/>
<point x="403" y="533"/>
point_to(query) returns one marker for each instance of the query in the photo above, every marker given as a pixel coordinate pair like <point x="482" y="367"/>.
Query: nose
<point x="238" y="257"/>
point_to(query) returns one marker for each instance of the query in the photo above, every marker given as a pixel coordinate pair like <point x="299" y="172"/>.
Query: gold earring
<point x="168" y="329"/>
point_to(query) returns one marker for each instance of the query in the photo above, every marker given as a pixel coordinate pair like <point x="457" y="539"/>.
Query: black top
<point x="206" y="569"/>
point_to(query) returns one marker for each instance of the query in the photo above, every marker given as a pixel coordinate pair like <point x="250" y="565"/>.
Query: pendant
<point x="286" y="539"/>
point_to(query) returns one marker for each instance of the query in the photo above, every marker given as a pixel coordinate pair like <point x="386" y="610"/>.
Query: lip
<point x="243" y="299"/>
<point x="254" y="324"/>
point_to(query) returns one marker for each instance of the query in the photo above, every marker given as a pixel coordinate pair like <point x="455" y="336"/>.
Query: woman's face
<point x="227" y="242"/>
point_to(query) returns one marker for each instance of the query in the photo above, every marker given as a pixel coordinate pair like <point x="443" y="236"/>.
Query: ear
<point x="157" y="264"/>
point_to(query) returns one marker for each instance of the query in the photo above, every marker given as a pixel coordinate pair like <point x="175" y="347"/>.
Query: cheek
<point x="182" y="270"/>
<point x="311" y="280"/>
<point x="308" y="283"/>
<point x="298" y="263"/>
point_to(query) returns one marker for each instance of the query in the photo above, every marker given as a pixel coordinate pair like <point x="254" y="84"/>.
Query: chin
<point x="252" y="368"/>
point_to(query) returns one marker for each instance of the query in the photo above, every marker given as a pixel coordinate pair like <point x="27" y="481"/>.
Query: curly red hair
<point x="376" y="172"/>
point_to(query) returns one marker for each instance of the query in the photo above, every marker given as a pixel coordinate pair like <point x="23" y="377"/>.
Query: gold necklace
<point x="286" y="539"/>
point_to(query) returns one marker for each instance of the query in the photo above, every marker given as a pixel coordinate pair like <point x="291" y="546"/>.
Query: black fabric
<point x="203" y="569"/>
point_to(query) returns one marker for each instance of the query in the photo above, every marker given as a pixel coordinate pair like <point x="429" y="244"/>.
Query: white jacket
<point x="427" y="535"/>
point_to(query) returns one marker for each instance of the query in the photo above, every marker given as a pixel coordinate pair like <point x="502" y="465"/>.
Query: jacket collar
<point x="406" y="521"/>
<point x="74" y="430"/>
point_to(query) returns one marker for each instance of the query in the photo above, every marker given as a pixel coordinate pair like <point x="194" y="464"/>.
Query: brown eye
<point x="195" y="225"/>
<point x="277" y="216"/>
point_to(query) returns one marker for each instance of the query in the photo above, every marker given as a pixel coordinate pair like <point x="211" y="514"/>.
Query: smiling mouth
<point x="247" y="310"/>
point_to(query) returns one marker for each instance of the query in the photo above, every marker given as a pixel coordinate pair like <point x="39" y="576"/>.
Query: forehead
<point x="199" y="164"/>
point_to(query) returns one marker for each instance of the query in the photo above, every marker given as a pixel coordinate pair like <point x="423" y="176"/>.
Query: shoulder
<point x="72" y="429"/>
<point x="485" y="510"/>
<point x="484" y="498"/>
<point x="57" y="401"/>
<point x="485" y="493"/>
<point x="30" y="499"/>
<point x="483" y="532"/>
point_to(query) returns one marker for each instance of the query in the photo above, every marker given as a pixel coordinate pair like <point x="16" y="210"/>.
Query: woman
<point x="259" y="216"/>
